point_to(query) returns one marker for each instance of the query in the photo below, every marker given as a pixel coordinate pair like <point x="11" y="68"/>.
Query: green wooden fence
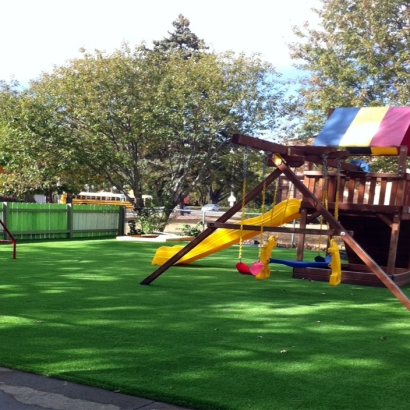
<point x="55" y="221"/>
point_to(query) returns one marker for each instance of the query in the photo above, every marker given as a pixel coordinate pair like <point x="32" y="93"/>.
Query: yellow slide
<point x="284" y="212"/>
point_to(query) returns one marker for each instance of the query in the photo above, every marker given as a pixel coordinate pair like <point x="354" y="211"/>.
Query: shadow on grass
<point x="201" y="335"/>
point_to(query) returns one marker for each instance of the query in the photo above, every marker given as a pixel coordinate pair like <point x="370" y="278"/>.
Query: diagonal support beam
<point x="347" y="238"/>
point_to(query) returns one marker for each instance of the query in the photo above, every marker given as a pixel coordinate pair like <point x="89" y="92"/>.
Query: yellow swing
<point x="265" y="256"/>
<point x="335" y="265"/>
<point x="333" y="251"/>
<point x="266" y="250"/>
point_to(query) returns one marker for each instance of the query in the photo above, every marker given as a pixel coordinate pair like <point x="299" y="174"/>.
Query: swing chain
<point x="245" y="162"/>
<point x="265" y="164"/>
<point x="325" y="181"/>
<point x="244" y="172"/>
<point x="324" y="196"/>
<point x="338" y="173"/>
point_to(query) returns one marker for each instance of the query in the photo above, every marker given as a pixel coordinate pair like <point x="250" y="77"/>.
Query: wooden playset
<point x="369" y="212"/>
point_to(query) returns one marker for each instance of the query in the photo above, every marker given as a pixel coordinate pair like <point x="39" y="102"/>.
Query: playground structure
<point x="373" y="209"/>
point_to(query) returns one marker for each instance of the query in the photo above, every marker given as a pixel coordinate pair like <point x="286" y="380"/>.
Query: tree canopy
<point x="134" y="120"/>
<point x="358" y="56"/>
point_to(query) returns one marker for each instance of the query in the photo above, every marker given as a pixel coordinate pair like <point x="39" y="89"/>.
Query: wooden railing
<point x="371" y="189"/>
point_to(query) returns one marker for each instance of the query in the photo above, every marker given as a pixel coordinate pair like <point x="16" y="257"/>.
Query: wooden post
<point x="279" y="194"/>
<point x="121" y="220"/>
<point x="301" y="236"/>
<point x="394" y="239"/>
<point x="401" y="168"/>
<point x="70" y="219"/>
<point x="6" y="216"/>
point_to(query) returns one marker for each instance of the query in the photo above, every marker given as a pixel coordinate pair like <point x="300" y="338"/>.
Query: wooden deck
<point x="351" y="276"/>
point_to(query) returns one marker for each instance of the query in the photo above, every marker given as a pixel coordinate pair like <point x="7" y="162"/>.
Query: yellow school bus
<point x="98" y="198"/>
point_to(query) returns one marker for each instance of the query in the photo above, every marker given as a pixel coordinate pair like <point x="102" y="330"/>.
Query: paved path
<point x="25" y="391"/>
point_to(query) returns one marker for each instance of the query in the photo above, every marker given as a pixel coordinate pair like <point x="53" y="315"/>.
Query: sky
<point x="36" y="35"/>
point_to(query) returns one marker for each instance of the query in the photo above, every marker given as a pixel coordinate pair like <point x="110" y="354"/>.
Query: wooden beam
<point x="257" y="229"/>
<point x="394" y="240"/>
<point x="367" y="208"/>
<point x="346" y="237"/>
<point x="359" y="174"/>
<point x="263" y="145"/>
<point x="348" y="206"/>
<point x="312" y="217"/>
<point x="294" y="161"/>
<point x="174" y="259"/>
<point x="385" y="219"/>
<point x="314" y="152"/>
<point x="401" y="167"/>
<point x="300" y="150"/>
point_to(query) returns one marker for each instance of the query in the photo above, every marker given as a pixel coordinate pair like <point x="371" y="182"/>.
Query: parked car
<point x="210" y="207"/>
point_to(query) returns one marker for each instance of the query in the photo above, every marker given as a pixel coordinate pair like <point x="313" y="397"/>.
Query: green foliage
<point x="32" y="160"/>
<point x="148" y="220"/>
<point x="189" y="230"/>
<point x="133" y="230"/>
<point x="359" y="56"/>
<point x="133" y="122"/>
<point x="182" y="40"/>
<point x="137" y="119"/>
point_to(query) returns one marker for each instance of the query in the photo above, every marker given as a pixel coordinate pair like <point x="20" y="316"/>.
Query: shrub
<point x="147" y="220"/>
<point x="189" y="230"/>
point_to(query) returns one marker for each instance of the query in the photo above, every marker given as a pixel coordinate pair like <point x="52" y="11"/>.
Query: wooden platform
<point x="357" y="276"/>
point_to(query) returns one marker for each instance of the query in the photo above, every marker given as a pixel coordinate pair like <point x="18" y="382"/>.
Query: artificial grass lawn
<point x="201" y="335"/>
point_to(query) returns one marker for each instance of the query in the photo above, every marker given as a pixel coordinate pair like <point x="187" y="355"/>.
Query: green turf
<point x="201" y="335"/>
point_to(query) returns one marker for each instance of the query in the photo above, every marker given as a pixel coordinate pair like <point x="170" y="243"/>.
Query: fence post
<point x="70" y="221"/>
<point x="121" y="221"/>
<point x="5" y="218"/>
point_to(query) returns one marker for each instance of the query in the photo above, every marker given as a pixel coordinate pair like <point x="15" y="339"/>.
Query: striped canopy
<point x="370" y="130"/>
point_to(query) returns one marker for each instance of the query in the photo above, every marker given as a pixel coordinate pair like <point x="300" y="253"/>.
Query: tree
<point x="182" y="39"/>
<point x="227" y="172"/>
<point x="359" y="56"/>
<point x="135" y="121"/>
<point x="31" y="165"/>
<point x="139" y="122"/>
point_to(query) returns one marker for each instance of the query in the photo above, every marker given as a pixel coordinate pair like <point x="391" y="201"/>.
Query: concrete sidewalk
<point x="25" y="391"/>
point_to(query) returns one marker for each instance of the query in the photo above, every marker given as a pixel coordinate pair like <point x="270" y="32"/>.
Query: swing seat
<point x="254" y="270"/>
<point x="302" y="264"/>
<point x="243" y="268"/>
